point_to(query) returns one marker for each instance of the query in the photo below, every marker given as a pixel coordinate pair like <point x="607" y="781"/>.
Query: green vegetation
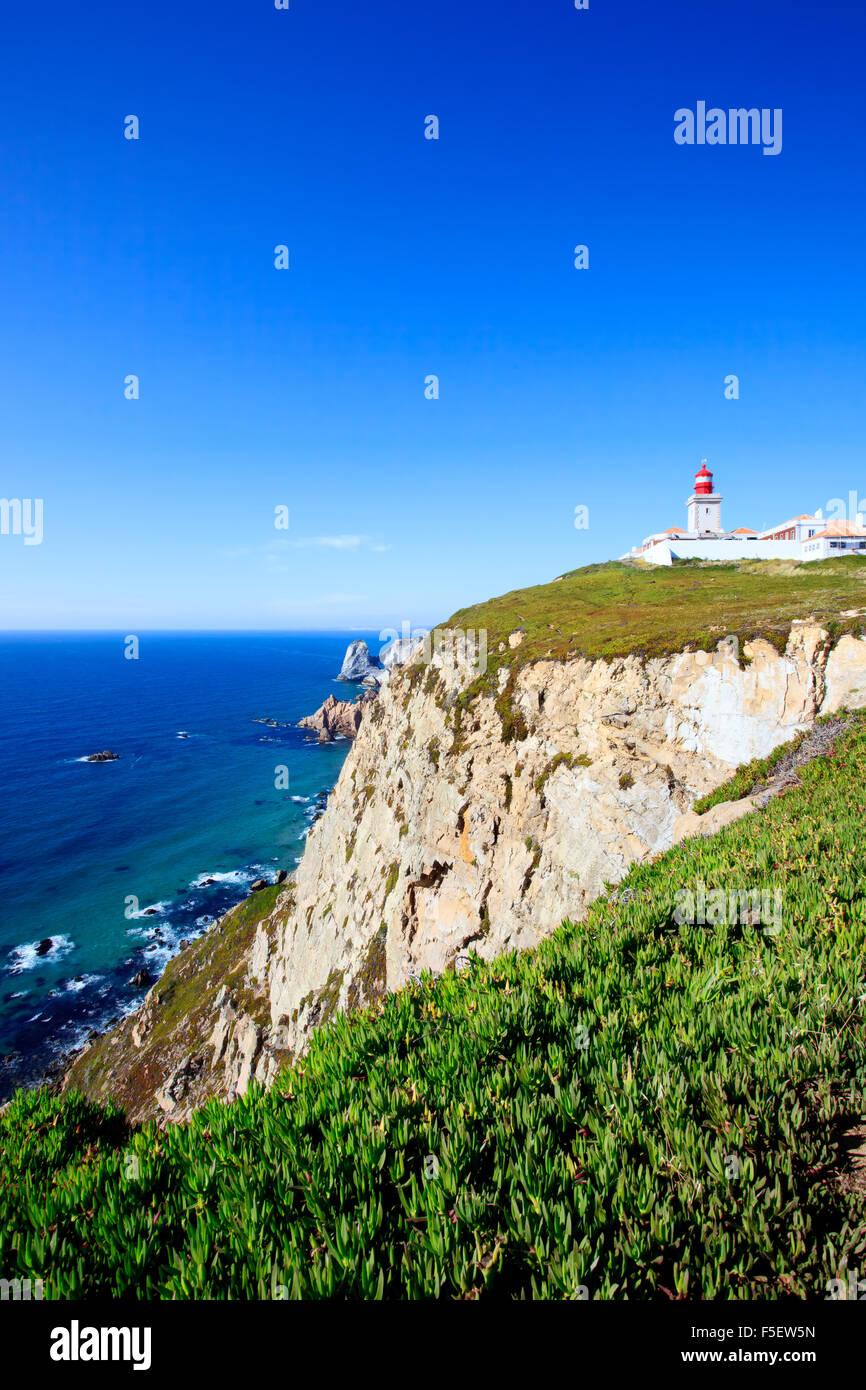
<point x="560" y="760"/>
<point x="369" y="983"/>
<point x="613" y="609"/>
<point x="644" y="1108"/>
<point x="756" y="775"/>
<point x="748" y="777"/>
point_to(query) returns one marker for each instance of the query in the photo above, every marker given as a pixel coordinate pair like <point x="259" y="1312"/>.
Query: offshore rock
<point x="358" y="664"/>
<point x="337" y="717"/>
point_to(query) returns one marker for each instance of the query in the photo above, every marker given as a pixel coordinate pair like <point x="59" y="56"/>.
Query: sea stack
<point x="359" y="665"/>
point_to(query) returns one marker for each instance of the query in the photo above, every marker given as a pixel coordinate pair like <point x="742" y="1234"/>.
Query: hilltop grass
<point x="614" y="609"/>
<point x="637" y="1108"/>
<point x="617" y="609"/>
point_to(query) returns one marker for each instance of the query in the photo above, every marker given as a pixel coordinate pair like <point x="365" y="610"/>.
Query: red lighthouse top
<point x="704" y="480"/>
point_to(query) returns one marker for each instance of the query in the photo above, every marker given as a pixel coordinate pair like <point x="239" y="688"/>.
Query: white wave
<point x="208" y="880"/>
<point x="25" y="957"/>
<point x="151" y="910"/>
<point x="239" y="876"/>
<point x="144" y="933"/>
<point x="75" y="986"/>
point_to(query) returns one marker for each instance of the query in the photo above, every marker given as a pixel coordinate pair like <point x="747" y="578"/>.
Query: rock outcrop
<point x="337" y="717"/>
<point x="401" y="651"/>
<point x="359" y="665"/>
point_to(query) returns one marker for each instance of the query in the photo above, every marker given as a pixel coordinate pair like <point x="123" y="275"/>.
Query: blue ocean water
<point x="180" y="825"/>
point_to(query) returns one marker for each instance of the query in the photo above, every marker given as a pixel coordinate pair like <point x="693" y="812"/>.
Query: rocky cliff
<point x="471" y="816"/>
<point x="480" y="826"/>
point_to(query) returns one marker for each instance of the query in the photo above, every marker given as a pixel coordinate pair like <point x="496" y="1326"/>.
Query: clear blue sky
<point x="409" y="257"/>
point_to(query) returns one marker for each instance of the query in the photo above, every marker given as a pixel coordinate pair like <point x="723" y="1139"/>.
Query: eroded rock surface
<point x="444" y="835"/>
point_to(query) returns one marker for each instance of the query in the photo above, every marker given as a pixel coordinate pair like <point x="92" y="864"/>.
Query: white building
<point x="804" y="537"/>
<point x="836" y="538"/>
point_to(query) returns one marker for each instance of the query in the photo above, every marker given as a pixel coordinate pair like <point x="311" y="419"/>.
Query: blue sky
<point x="409" y="257"/>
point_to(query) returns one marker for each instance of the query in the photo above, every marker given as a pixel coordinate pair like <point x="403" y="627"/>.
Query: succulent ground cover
<point x="648" y="1105"/>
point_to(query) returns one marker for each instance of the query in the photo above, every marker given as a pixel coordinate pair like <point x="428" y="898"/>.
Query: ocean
<point x="106" y="867"/>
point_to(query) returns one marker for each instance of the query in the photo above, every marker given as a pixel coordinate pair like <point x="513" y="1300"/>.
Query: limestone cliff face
<point x="444" y="836"/>
<point x="479" y="825"/>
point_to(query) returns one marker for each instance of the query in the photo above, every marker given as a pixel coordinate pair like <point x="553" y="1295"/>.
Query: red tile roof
<point x="841" y="528"/>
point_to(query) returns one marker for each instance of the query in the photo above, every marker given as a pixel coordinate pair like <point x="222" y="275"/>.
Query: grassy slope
<point x="580" y="1100"/>
<point x="612" y="609"/>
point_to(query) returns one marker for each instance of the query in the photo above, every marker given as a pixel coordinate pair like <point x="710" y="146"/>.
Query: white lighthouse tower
<point x="704" y="507"/>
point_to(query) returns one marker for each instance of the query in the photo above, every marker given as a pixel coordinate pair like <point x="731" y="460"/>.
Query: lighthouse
<point x="704" y="507"/>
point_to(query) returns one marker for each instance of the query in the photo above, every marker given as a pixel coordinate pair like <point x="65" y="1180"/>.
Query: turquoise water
<point x="79" y="841"/>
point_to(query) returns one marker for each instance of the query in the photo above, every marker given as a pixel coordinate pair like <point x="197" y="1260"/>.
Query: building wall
<point x="663" y="553"/>
<point x="828" y="547"/>
<point x="704" y="513"/>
